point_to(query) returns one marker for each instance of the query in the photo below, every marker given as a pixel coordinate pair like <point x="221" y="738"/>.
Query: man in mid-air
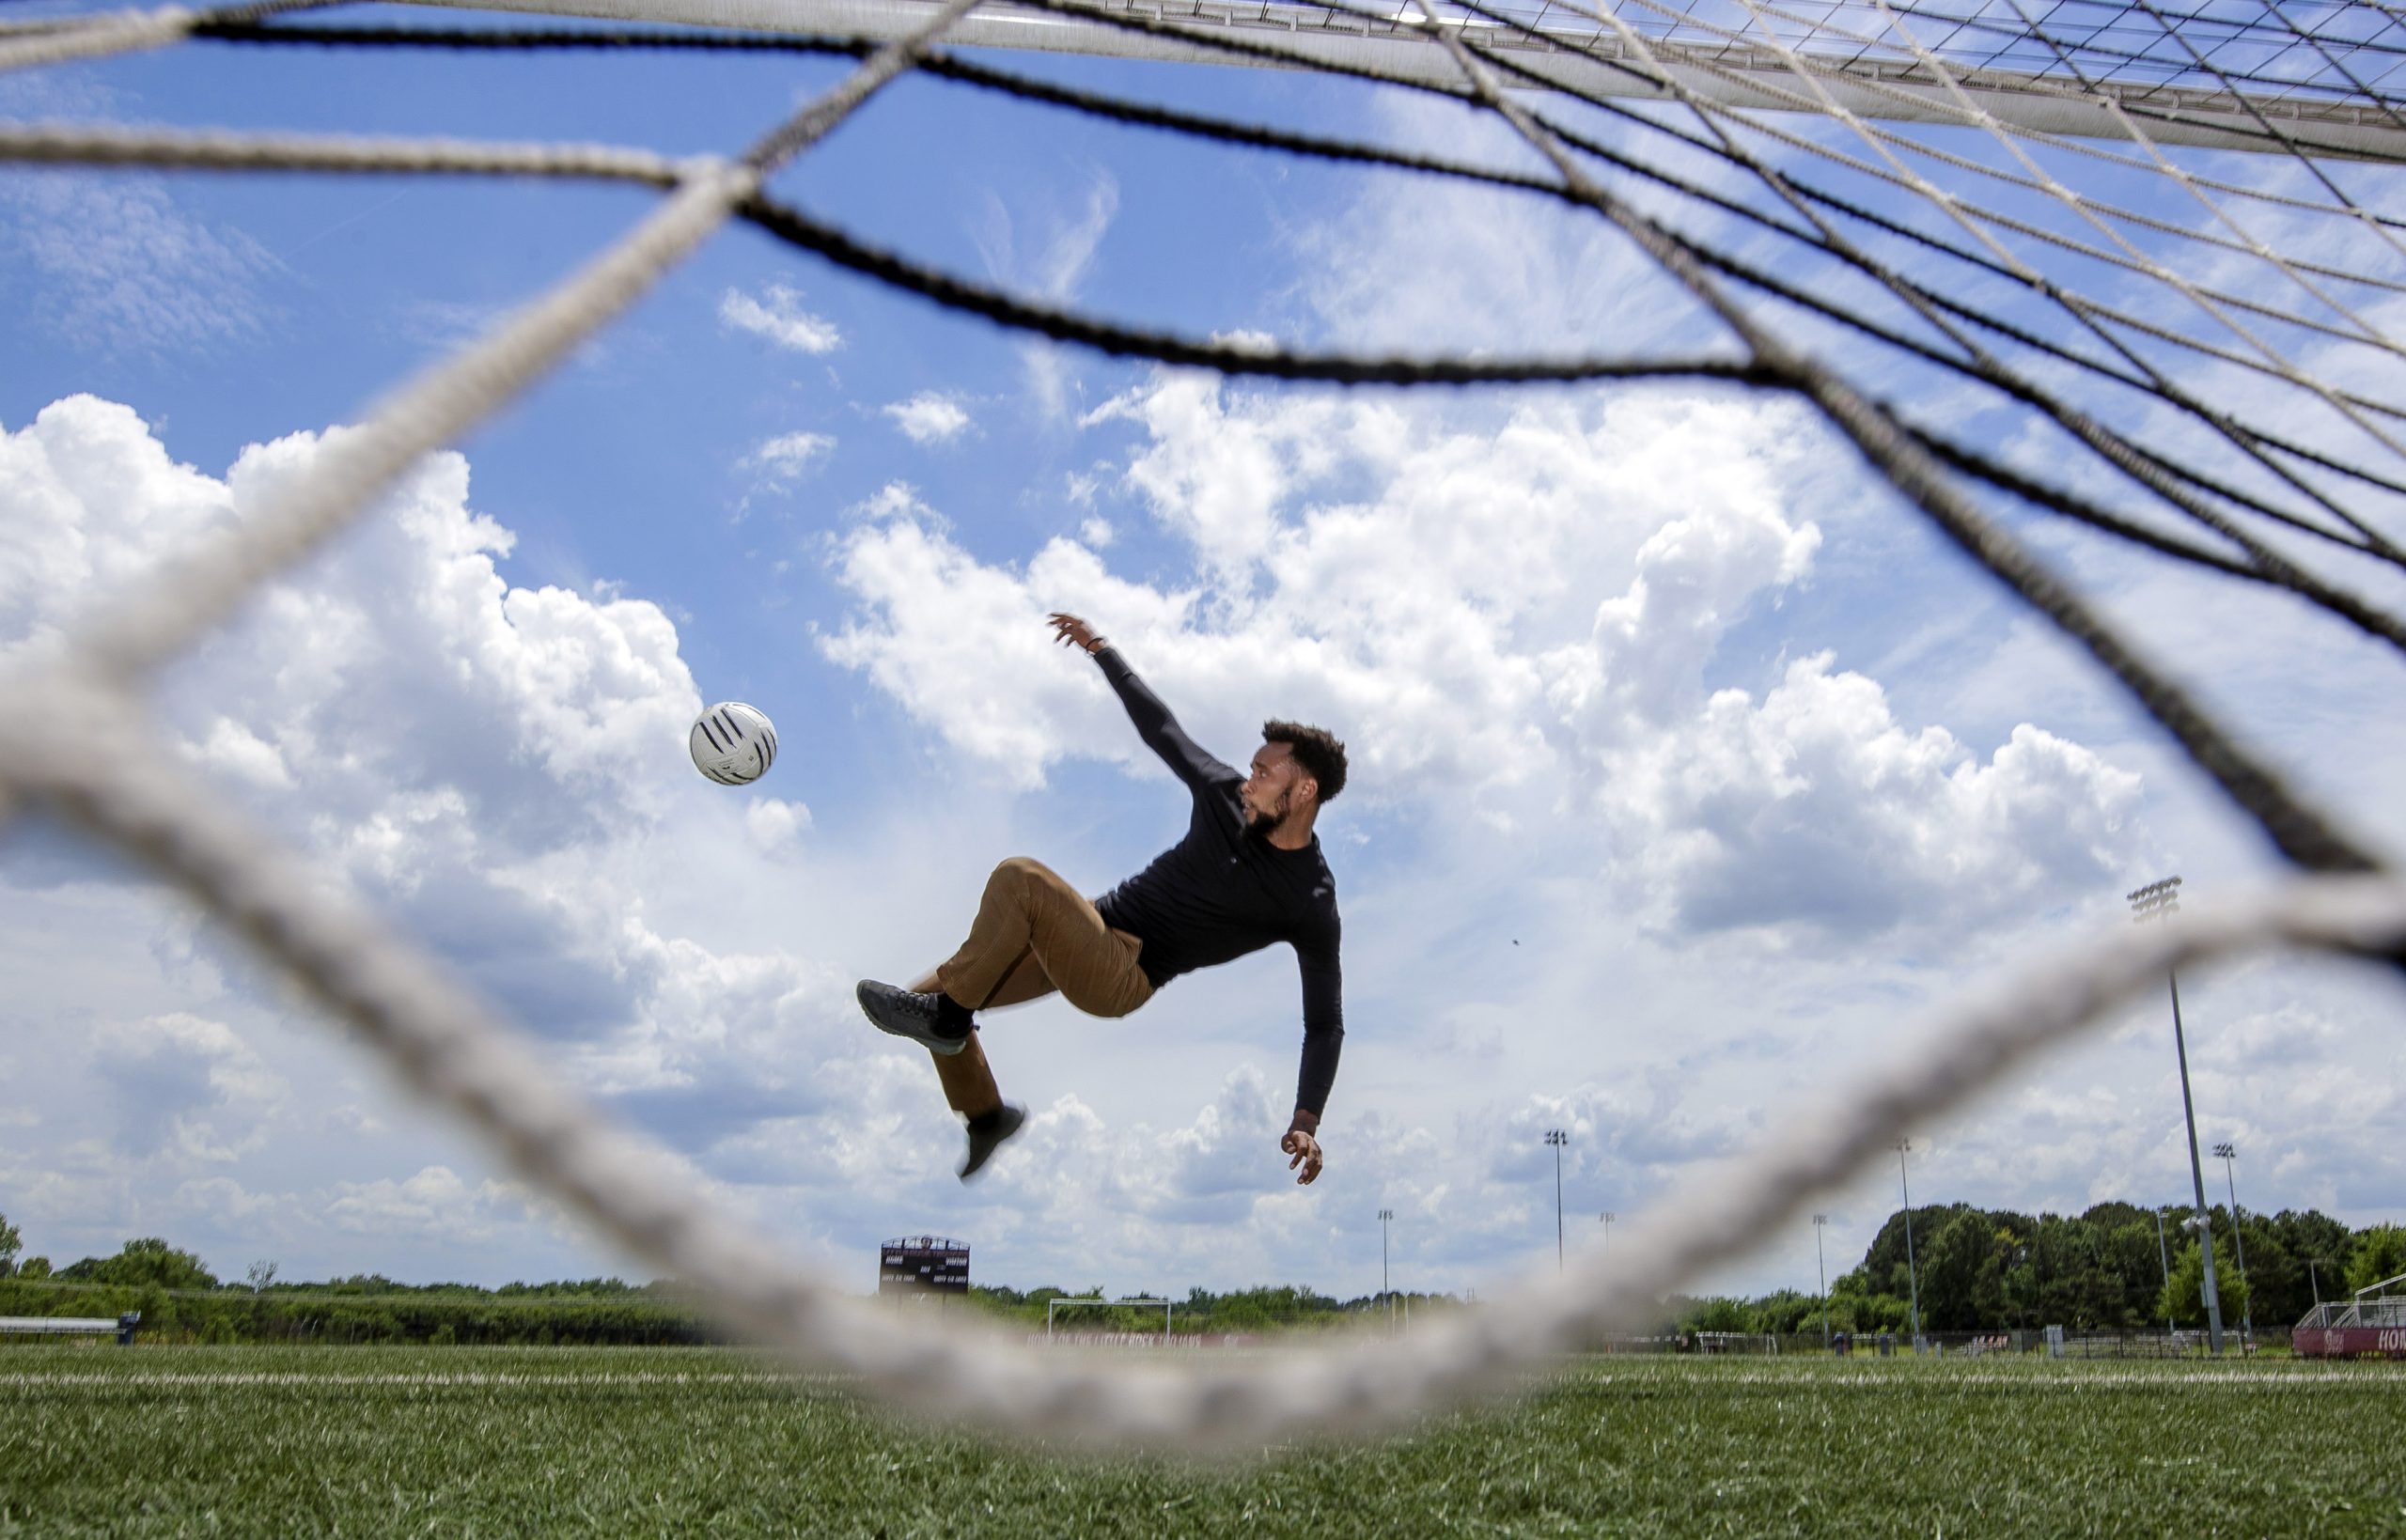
<point x="1248" y="873"/>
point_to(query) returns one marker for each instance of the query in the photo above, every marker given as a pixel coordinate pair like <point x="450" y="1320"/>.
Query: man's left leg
<point x="968" y="1080"/>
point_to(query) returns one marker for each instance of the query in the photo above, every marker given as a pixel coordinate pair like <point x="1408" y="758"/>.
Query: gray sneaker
<point x="986" y="1136"/>
<point x="908" y="1015"/>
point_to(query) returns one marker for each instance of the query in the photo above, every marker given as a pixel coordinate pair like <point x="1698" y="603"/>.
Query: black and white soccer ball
<point x="733" y="743"/>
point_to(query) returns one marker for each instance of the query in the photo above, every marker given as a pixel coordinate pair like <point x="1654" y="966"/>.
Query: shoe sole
<point x="976" y="1162"/>
<point x="948" y="1047"/>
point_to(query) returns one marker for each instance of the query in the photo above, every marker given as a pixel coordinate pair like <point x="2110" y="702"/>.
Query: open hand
<point x="1070" y="631"/>
<point x="1303" y="1151"/>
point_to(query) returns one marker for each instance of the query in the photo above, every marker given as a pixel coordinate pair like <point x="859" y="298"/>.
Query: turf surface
<point x="685" y="1442"/>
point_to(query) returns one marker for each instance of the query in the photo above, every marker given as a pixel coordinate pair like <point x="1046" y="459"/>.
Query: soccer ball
<point x="733" y="743"/>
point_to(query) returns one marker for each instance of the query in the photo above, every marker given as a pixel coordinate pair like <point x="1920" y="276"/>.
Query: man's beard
<point x="1259" y="825"/>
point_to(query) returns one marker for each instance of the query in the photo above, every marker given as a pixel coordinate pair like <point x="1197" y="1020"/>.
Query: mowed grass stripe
<point x="353" y="1441"/>
<point x="2188" y="1377"/>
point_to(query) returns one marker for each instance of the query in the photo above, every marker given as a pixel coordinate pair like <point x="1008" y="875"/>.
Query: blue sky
<point x="1691" y="771"/>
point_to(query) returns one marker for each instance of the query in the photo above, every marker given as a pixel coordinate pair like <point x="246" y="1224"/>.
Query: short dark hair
<point x="1316" y="749"/>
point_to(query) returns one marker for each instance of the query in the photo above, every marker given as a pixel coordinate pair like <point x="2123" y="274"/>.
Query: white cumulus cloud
<point x="182" y="1079"/>
<point x="774" y="824"/>
<point x="496" y="768"/>
<point x="473" y="758"/>
<point x="929" y="418"/>
<point x="435" y="1204"/>
<point x="1518" y="618"/>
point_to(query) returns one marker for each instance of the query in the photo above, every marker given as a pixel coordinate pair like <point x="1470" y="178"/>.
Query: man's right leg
<point x="1028" y="913"/>
<point x="1032" y="929"/>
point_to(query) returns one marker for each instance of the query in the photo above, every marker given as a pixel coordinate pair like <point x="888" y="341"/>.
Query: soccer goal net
<point x="1091" y="1330"/>
<point x="2123" y="268"/>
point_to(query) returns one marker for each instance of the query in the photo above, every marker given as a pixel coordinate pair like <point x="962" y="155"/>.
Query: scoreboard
<point x="923" y="1265"/>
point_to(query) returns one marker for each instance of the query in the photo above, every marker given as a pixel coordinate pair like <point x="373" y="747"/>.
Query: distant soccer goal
<point x="1053" y="1307"/>
<point x="1760" y="1344"/>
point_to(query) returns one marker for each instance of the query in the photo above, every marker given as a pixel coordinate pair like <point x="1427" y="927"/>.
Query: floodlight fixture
<point x="2156" y="901"/>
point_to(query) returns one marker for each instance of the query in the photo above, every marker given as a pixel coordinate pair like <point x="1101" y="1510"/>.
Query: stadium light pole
<point x="2165" y="1253"/>
<point x="1819" y="1220"/>
<point x="1608" y="1216"/>
<point x="1912" y="1274"/>
<point x="2161" y="901"/>
<point x="1556" y="1137"/>
<point x="1386" y="1216"/>
<point x="2227" y="1154"/>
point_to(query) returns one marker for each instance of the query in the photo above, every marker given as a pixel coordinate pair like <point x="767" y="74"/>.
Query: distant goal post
<point x="1761" y="1343"/>
<point x="1052" y="1308"/>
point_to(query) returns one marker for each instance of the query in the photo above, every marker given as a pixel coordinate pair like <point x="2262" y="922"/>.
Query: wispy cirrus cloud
<point x="1049" y="258"/>
<point x="777" y="462"/>
<point x="127" y="268"/>
<point x="777" y="315"/>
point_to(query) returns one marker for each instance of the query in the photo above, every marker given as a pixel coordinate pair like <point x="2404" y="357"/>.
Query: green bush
<point x="2380" y="1254"/>
<point x="307" y="1312"/>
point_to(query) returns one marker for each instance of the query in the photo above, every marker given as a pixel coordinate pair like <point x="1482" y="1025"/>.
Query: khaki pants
<point x="1034" y="935"/>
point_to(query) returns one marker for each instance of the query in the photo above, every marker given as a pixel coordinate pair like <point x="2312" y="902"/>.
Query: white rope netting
<point x="455" y="1052"/>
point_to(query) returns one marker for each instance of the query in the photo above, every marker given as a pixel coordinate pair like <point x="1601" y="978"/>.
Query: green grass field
<point x="679" y="1442"/>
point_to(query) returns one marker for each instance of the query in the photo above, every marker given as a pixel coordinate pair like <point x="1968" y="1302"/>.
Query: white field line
<point x="2171" y="1376"/>
<point x="151" y="1378"/>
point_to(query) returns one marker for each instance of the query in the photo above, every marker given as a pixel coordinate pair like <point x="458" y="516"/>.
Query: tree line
<point x="1975" y="1270"/>
<point x="2116" y="1267"/>
<point x="181" y="1301"/>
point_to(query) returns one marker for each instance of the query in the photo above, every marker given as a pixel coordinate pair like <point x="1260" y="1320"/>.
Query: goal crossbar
<point x="1893" y="86"/>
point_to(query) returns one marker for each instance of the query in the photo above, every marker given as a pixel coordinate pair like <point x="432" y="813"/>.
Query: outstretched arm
<point x="1323" y="1039"/>
<point x="1154" y="725"/>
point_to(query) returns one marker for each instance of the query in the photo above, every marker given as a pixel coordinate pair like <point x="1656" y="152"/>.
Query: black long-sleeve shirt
<point x="1219" y="893"/>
